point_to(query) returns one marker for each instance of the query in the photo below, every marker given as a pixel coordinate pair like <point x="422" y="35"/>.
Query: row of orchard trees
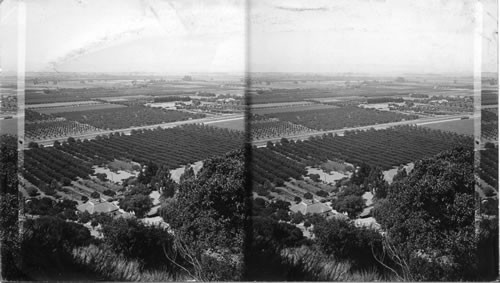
<point x="382" y="148"/>
<point x="341" y="117"/>
<point x="126" y="117"/>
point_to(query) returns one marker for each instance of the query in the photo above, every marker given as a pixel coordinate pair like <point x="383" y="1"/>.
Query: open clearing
<point x="117" y="176"/>
<point x="233" y="124"/>
<point x="177" y="173"/>
<point x="389" y="174"/>
<point x="327" y="177"/>
<point x="8" y="126"/>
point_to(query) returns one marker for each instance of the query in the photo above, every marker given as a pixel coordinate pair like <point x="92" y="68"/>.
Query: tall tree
<point x="137" y="199"/>
<point x="208" y="217"/>
<point x="429" y="219"/>
<point x="188" y="174"/>
<point x="148" y="172"/>
<point x="163" y="182"/>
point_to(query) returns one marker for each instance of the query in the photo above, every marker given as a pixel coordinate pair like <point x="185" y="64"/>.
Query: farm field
<point x="353" y="89"/>
<point x="462" y="127"/>
<point x="172" y="147"/>
<point x="49" y="129"/>
<point x="78" y="108"/>
<point x="8" y="126"/>
<point x="132" y="116"/>
<point x="61" y="104"/>
<point x="489" y="97"/>
<point x="489" y="124"/>
<point x="283" y="104"/>
<point x="377" y="148"/>
<point x="237" y="124"/>
<point x="293" y="108"/>
<point x="338" y="118"/>
<point x="269" y="128"/>
<point x="488" y="168"/>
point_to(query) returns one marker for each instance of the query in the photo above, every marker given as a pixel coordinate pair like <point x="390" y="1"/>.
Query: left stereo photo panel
<point x="127" y="119"/>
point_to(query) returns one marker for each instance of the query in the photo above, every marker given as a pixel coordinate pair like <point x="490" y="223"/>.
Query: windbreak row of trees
<point x="33" y="116"/>
<point x="171" y="98"/>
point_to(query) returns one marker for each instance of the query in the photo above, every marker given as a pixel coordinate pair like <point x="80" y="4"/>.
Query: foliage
<point x="297" y="217"/>
<point x="208" y="216"/>
<point x="8" y="164"/>
<point x="341" y="117"/>
<point x="126" y="117"/>
<point x="488" y="166"/>
<point x="308" y="195"/>
<point x="163" y="182"/>
<point x="352" y="204"/>
<point x="137" y="199"/>
<point x="429" y="219"/>
<point x="160" y="146"/>
<point x="262" y="128"/>
<point x="138" y="241"/>
<point x="315" y="177"/>
<point x="112" y="265"/>
<point x="65" y="209"/>
<point x="32" y="191"/>
<point x="44" y="166"/>
<point x="147" y="173"/>
<point x="9" y="236"/>
<point x="322" y="193"/>
<point x="346" y="242"/>
<point x="188" y="174"/>
<point x="56" y="129"/>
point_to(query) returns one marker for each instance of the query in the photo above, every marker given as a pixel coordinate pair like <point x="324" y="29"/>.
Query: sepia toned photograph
<point x="249" y="140"/>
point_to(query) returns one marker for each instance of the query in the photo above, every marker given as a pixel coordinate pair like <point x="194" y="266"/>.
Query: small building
<point x="367" y="212"/>
<point x="368" y="222"/>
<point x="98" y="207"/>
<point x="312" y="208"/>
<point x="154" y="211"/>
<point x="155" y="195"/>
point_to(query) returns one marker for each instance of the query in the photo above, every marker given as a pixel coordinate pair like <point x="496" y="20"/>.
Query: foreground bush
<point x="117" y="267"/>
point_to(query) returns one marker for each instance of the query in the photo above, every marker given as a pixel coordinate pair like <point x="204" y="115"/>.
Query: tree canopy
<point x="208" y="217"/>
<point x="429" y="218"/>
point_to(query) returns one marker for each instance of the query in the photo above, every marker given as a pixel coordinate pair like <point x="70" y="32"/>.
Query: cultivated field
<point x="78" y="108"/>
<point x="126" y="117"/>
<point x="291" y="108"/>
<point x="341" y="117"/>
<point x="172" y="147"/>
<point x="463" y="127"/>
<point x="377" y="148"/>
<point x="237" y="124"/>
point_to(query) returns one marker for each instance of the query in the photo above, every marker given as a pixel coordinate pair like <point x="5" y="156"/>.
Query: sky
<point x="370" y="36"/>
<point x="176" y="36"/>
<point x="131" y="35"/>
